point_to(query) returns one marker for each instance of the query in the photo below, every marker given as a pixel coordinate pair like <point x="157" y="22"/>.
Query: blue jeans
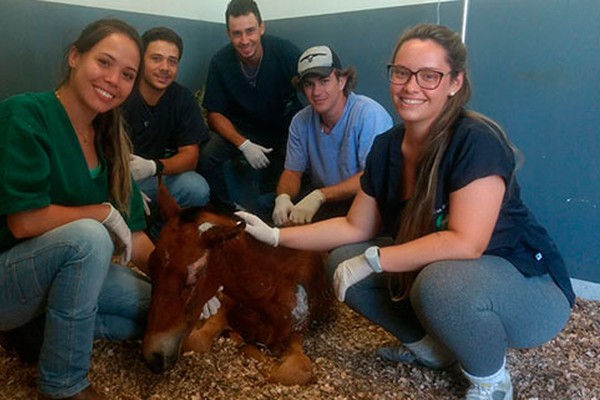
<point x="476" y="308"/>
<point x="188" y="189"/>
<point x="67" y="275"/>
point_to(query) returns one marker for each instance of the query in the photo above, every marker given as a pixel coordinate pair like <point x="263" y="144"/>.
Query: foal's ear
<point x="219" y="234"/>
<point x="166" y="203"/>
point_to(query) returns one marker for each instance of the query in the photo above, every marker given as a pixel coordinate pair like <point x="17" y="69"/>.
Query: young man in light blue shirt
<point x="328" y="141"/>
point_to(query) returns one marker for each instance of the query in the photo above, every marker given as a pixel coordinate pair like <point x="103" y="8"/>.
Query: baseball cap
<point x="320" y="60"/>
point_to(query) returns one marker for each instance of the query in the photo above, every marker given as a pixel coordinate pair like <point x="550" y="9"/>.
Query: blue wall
<point x="535" y="66"/>
<point x="536" y="69"/>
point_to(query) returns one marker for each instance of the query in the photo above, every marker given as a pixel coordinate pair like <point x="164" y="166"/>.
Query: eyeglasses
<point x="426" y="78"/>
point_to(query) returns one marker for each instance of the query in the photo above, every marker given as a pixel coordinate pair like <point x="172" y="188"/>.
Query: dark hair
<point x="236" y="8"/>
<point x="111" y="137"/>
<point x="350" y="73"/>
<point x="165" y="34"/>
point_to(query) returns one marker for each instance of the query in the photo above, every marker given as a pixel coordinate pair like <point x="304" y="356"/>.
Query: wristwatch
<point x="160" y="167"/>
<point x="372" y="256"/>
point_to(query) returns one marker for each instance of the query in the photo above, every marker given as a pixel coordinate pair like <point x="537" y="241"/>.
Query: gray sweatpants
<point x="476" y="308"/>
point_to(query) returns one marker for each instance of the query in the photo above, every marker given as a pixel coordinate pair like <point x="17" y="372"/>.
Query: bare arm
<point x="186" y="159"/>
<point x="223" y="126"/>
<point x="343" y="190"/>
<point x="290" y="183"/>
<point x="474" y="211"/>
<point x="38" y="221"/>
<point x="362" y="223"/>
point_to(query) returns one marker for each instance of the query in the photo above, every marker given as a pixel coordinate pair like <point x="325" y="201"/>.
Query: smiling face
<point x="325" y="93"/>
<point x="161" y="64"/>
<point x="104" y="76"/>
<point x="419" y="107"/>
<point x="245" y="33"/>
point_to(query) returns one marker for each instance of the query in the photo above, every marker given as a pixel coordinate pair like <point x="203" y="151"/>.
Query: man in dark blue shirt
<point x="166" y="126"/>
<point x="249" y="99"/>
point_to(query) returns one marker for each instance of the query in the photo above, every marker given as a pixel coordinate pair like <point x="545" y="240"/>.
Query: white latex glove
<point x="141" y="167"/>
<point x="119" y="231"/>
<point x="304" y="211"/>
<point x="348" y="273"/>
<point x="255" y="154"/>
<point x="283" y="207"/>
<point x="257" y="228"/>
<point x="211" y="307"/>
<point x="146" y="200"/>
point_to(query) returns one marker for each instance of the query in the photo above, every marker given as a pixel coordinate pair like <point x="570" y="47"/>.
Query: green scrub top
<point x="41" y="163"/>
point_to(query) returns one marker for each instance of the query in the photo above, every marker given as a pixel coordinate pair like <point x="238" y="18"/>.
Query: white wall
<point x="214" y="10"/>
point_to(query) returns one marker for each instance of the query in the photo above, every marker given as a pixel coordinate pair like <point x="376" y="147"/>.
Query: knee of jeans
<point x="191" y="189"/>
<point x="89" y="235"/>
<point x="201" y="192"/>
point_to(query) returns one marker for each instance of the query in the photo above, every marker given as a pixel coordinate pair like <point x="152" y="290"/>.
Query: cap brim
<point x="321" y="71"/>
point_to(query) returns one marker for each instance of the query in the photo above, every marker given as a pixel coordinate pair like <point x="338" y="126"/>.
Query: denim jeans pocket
<point x="21" y="283"/>
<point x="21" y="295"/>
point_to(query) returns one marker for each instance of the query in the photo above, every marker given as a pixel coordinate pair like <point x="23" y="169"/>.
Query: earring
<point x="452" y="94"/>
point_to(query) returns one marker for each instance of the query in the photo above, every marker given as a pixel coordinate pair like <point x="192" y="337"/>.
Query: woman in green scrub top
<point x="70" y="212"/>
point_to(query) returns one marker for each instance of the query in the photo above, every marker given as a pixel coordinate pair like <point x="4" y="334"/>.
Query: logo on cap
<point x="319" y="60"/>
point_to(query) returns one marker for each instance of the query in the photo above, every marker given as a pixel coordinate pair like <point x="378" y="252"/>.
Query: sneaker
<point x="403" y="355"/>
<point x="502" y="390"/>
<point x="398" y="354"/>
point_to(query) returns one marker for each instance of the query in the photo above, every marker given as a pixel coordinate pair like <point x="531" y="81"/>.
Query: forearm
<point x="186" y="159"/>
<point x="362" y="222"/>
<point x="322" y="236"/>
<point x="224" y="127"/>
<point x="38" y="221"/>
<point x="344" y="190"/>
<point x="290" y="183"/>
<point x="437" y="246"/>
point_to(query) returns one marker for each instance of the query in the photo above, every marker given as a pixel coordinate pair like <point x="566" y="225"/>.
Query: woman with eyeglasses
<point x="438" y="247"/>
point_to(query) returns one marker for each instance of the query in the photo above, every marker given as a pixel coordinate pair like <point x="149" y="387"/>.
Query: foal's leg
<point x="200" y="340"/>
<point x="295" y="367"/>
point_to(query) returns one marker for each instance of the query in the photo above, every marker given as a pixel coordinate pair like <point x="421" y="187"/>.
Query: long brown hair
<point x="111" y="136"/>
<point x="418" y="216"/>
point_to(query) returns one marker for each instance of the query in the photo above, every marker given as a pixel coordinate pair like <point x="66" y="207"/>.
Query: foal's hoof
<point x="295" y="369"/>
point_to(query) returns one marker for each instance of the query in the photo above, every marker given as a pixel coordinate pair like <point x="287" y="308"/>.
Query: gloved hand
<point x="348" y="273"/>
<point x="141" y="167"/>
<point x="146" y="200"/>
<point x="257" y="228"/>
<point x="255" y="154"/>
<point x="304" y="211"/>
<point x="119" y="231"/>
<point x="283" y="207"/>
<point x="211" y="307"/>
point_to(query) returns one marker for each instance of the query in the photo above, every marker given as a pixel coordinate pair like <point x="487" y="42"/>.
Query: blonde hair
<point x="418" y="217"/>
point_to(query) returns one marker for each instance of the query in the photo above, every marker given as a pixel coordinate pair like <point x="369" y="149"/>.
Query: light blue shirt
<point x="334" y="157"/>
